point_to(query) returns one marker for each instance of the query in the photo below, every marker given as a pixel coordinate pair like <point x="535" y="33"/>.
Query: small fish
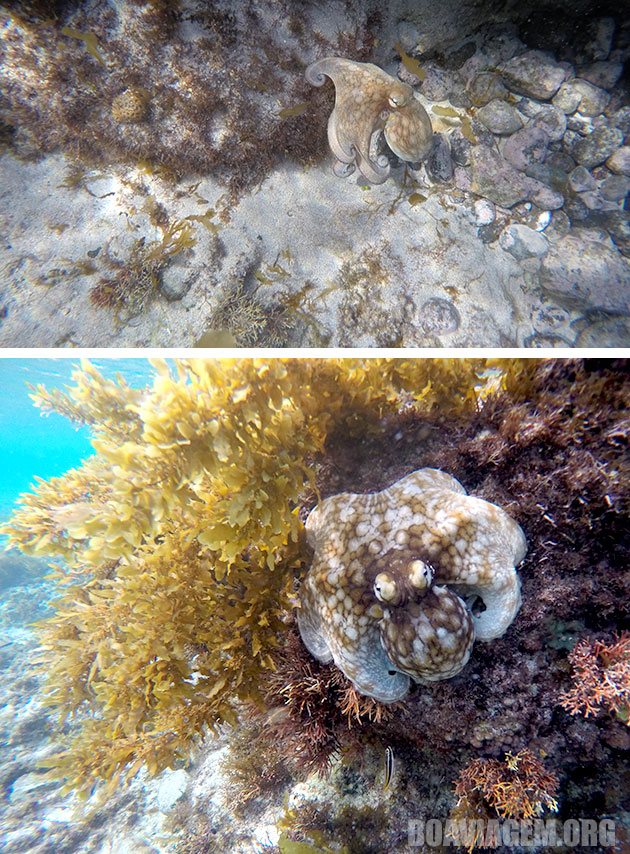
<point x="389" y="766"/>
<point x="297" y="110"/>
<point x="412" y="65"/>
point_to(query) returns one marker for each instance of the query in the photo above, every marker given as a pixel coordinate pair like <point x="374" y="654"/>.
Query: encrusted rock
<point x="567" y="99"/>
<point x="485" y="87"/>
<point x="534" y="73"/>
<point x="619" y="161"/>
<point x="526" y="147"/>
<point x="587" y="274"/>
<point x="500" y="117"/>
<point x="621" y="119"/>
<point x="552" y="120"/>
<point x="597" y="147"/>
<point x="523" y="242"/>
<point x="438" y="83"/>
<point x="529" y="107"/>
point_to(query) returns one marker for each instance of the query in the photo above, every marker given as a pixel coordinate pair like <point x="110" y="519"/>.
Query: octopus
<point x="367" y="102"/>
<point x="396" y="578"/>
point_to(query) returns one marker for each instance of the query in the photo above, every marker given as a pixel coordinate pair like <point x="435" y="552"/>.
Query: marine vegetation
<point x="519" y="787"/>
<point x="129" y="83"/>
<point x="601" y="677"/>
<point x="181" y="538"/>
<point x="367" y="101"/>
<point x="376" y="599"/>
<point x="179" y="546"/>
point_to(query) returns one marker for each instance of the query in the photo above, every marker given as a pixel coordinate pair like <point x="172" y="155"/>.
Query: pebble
<point x="602" y="74"/>
<point x="581" y="179"/>
<point x="543" y="220"/>
<point x="172" y="787"/>
<point x="485" y="87"/>
<point x="526" y="147"/>
<point x="552" y="120"/>
<point x="544" y="197"/>
<point x="173" y="285"/>
<point x="597" y="147"/>
<point x="529" y="107"/>
<point x="496" y="179"/>
<point x="615" y="188"/>
<point x="533" y="73"/>
<point x="485" y="212"/>
<point x="560" y="160"/>
<point x="567" y="99"/>
<point x="439" y="164"/>
<point x="460" y="148"/>
<point x="593" y="100"/>
<point x="439" y="316"/>
<point x="523" y="242"/>
<point x="500" y="118"/>
<point x="586" y="273"/>
<point x="619" y="161"/>
<point x="438" y="83"/>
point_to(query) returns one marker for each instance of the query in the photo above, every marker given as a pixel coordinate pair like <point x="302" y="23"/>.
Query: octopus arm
<point x="369" y="668"/>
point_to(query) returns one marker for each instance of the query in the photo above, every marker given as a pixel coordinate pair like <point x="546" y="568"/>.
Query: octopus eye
<point x="385" y="588"/>
<point x="420" y="574"/>
<point x="397" y="101"/>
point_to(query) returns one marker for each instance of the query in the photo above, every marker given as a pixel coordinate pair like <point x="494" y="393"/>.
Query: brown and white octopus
<point x="386" y="597"/>
<point x="368" y="101"/>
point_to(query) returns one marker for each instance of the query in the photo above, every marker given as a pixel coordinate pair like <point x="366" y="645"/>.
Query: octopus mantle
<point x="387" y="596"/>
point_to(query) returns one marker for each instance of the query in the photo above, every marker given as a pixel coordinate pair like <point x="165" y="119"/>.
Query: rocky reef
<point x="167" y="180"/>
<point x="179" y="551"/>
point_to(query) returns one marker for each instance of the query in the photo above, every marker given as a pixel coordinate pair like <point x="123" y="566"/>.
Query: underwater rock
<point x="526" y="147"/>
<point x="615" y="188"/>
<point x="523" y="242"/>
<point x="602" y="74"/>
<point x="131" y="106"/>
<point x="581" y="179"/>
<point x="619" y="161"/>
<point x="586" y="273"/>
<point x="533" y="73"/>
<point x="496" y="179"/>
<point x="500" y="117"/>
<point x="578" y="94"/>
<point x="439" y="164"/>
<point x="612" y="332"/>
<point x="485" y="212"/>
<point x="438" y="316"/>
<point x="373" y="600"/>
<point x="485" y="87"/>
<point x="552" y="120"/>
<point x="597" y="147"/>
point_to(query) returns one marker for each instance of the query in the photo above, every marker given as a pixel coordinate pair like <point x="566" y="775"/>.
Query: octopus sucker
<point x="403" y="610"/>
<point x="369" y="101"/>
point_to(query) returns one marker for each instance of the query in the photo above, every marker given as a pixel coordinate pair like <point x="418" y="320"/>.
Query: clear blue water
<point x="45" y="446"/>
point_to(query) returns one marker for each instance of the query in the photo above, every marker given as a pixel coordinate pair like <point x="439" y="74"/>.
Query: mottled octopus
<point x="368" y="101"/>
<point x="383" y="597"/>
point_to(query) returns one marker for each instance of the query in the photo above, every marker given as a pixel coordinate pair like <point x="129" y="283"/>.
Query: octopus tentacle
<point x="317" y="71"/>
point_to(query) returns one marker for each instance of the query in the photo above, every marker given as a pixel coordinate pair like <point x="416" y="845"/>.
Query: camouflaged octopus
<point x="386" y="597"/>
<point x="368" y="101"/>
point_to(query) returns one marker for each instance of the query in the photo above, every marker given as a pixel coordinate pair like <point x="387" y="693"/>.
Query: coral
<point x="182" y="536"/>
<point x="520" y="787"/>
<point x="369" y="602"/>
<point x="601" y="676"/>
<point x="368" y="101"/>
<point x="131" y="105"/>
